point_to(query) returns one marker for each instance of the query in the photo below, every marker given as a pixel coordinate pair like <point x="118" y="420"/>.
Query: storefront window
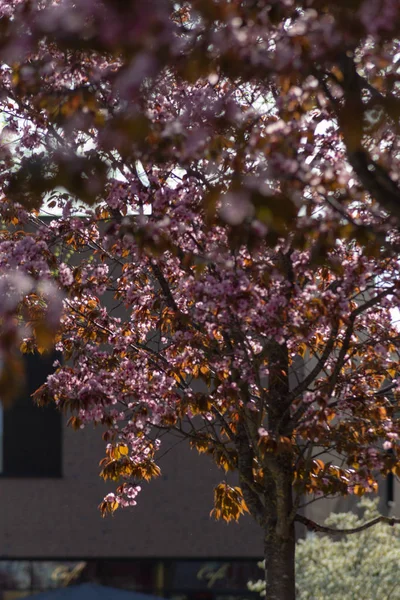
<point x="174" y="579"/>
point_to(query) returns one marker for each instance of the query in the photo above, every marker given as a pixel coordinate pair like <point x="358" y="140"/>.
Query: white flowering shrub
<point x="360" y="566"/>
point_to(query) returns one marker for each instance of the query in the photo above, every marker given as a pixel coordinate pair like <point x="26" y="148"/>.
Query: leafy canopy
<point x="224" y="265"/>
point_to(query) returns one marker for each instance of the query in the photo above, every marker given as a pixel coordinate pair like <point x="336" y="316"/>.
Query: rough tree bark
<point x="270" y="502"/>
<point x="279" y="547"/>
<point x="279" y="536"/>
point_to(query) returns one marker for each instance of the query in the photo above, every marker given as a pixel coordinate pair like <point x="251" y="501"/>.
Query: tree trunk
<point x="279" y="555"/>
<point x="279" y="534"/>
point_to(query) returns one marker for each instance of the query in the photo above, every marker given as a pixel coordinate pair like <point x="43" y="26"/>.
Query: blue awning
<point x="91" y="591"/>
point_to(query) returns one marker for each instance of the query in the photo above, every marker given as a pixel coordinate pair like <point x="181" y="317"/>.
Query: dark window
<point x="32" y="435"/>
<point x="390" y="486"/>
<point x="390" y="490"/>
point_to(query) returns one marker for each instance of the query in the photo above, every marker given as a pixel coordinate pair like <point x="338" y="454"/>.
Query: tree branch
<point x="349" y="332"/>
<point x="299" y="389"/>
<point x="245" y="468"/>
<point x="350" y="115"/>
<point x="164" y="286"/>
<point x="376" y="181"/>
<point x="328" y="349"/>
<point x="313" y="526"/>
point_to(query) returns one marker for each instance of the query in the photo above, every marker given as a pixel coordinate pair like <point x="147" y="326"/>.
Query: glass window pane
<point x="54" y="574"/>
<point x="15" y="575"/>
<point x="129" y="574"/>
<point x="219" y="575"/>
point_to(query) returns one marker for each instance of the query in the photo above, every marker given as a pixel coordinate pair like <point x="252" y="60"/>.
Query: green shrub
<point x="361" y="566"/>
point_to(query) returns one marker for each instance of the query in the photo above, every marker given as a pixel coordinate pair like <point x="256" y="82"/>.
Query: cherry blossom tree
<point x="224" y="263"/>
